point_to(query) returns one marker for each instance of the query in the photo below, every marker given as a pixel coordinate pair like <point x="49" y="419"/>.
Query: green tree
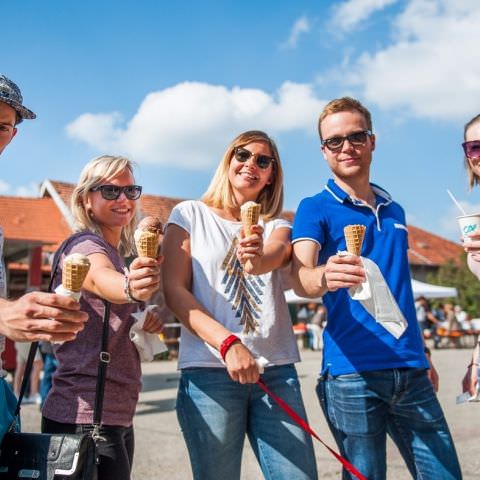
<point x="457" y="274"/>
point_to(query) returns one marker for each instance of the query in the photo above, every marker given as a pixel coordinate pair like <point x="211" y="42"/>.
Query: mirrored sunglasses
<point x="113" y="192"/>
<point x="472" y="149"/>
<point x="357" y="139"/>
<point x="242" y="155"/>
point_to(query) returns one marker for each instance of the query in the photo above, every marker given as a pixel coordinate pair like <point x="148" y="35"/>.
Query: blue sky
<point x="171" y="83"/>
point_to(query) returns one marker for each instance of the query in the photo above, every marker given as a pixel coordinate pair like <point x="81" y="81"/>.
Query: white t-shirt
<point x="251" y="306"/>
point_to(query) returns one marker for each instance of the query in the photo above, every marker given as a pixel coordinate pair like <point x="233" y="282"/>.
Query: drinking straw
<point x="456" y="202"/>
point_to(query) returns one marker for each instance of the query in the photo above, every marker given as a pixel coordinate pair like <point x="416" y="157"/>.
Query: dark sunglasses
<point x="113" y="192"/>
<point x="472" y="149"/>
<point x="242" y="155"/>
<point x="357" y="139"/>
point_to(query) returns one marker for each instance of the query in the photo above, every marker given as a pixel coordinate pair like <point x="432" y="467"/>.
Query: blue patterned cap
<point x="11" y="95"/>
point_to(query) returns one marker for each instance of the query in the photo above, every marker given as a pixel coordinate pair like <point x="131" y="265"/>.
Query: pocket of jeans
<point x="351" y="407"/>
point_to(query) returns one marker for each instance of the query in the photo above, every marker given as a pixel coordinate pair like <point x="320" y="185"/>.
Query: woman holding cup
<point x="224" y="285"/>
<point x="471" y="240"/>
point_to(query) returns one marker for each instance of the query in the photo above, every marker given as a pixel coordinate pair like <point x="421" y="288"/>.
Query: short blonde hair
<point x="473" y="178"/>
<point x="220" y="193"/>
<point x="96" y="172"/>
<point x="344" y="104"/>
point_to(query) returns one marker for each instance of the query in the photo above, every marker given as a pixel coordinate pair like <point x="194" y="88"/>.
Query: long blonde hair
<point x="220" y="193"/>
<point x="472" y="176"/>
<point x="96" y="172"/>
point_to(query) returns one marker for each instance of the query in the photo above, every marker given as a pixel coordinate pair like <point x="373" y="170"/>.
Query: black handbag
<point x="57" y="456"/>
<point x="45" y="456"/>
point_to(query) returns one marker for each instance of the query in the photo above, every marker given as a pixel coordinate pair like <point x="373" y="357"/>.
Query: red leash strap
<point x="291" y="413"/>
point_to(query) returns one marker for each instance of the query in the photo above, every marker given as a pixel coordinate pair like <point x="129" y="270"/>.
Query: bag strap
<point x="26" y="376"/>
<point x="104" y="355"/>
<point x="104" y="360"/>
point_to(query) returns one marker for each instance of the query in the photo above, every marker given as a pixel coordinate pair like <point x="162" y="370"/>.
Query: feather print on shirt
<point x="244" y="291"/>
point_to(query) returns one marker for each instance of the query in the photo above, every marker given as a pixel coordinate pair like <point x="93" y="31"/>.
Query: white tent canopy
<point x="419" y="289"/>
<point x="432" y="291"/>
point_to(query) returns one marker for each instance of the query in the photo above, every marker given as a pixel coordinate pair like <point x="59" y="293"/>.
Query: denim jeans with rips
<point x="361" y="408"/>
<point x="216" y="413"/>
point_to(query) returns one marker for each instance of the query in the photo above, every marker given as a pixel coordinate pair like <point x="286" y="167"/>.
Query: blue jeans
<point x="8" y="403"/>
<point x="50" y="364"/>
<point x="361" y="408"/>
<point x="215" y="413"/>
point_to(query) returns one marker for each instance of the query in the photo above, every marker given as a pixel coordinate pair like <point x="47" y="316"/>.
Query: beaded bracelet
<point x="226" y="344"/>
<point x="126" y="288"/>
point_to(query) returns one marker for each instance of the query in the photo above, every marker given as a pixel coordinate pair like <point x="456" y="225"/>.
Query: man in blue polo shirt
<point x="375" y="380"/>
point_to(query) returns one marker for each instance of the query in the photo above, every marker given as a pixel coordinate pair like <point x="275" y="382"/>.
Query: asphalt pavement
<point x="160" y="451"/>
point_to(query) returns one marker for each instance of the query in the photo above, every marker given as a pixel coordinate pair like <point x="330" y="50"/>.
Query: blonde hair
<point x="473" y="178"/>
<point x="220" y="193"/>
<point x="96" y="172"/>
<point x="344" y="104"/>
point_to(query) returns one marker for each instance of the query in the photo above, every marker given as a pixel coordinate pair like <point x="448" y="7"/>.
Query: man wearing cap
<point x="36" y="315"/>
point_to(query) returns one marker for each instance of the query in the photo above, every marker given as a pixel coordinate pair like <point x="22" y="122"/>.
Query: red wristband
<point x="227" y="343"/>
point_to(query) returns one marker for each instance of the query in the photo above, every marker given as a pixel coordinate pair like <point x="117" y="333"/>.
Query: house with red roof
<point x="35" y="227"/>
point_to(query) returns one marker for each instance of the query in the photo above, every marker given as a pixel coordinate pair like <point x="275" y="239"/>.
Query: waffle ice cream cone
<point x="74" y="271"/>
<point x="354" y="235"/>
<point x="250" y="214"/>
<point x="147" y="237"/>
<point x="147" y="244"/>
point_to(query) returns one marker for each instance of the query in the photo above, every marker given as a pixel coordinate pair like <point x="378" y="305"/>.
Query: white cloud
<point x="188" y="124"/>
<point x="432" y="67"/>
<point x="4" y="187"/>
<point x="30" y="190"/>
<point x="349" y="14"/>
<point x="100" y="136"/>
<point x="302" y="25"/>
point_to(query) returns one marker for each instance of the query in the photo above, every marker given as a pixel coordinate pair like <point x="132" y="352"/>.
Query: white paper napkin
<point x="60" y="290"/>
<point x="375" y="295"/>
<point x="148" y="344"/>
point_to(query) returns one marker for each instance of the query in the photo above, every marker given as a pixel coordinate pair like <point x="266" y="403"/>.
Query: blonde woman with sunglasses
<point x="471" y="149"/>
<point x="226" y="290"/>
<point x="105" y="206"/>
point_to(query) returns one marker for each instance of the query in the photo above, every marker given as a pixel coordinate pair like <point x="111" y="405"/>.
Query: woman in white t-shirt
<point x="226" y="290"/>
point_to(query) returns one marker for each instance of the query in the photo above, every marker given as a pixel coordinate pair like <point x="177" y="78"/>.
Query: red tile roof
<point x="429" y="249"/>
<point x="64" y="189"/>
<point x="32" y="220"/>
<point x="425" y="248"/>
<point x="158" y="206"/>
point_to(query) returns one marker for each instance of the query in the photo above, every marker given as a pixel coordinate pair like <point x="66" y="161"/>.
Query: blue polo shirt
<point x="353" y="340"/>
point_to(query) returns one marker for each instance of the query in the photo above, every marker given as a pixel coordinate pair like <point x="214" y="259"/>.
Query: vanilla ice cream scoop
<point x="74" y="271"/>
